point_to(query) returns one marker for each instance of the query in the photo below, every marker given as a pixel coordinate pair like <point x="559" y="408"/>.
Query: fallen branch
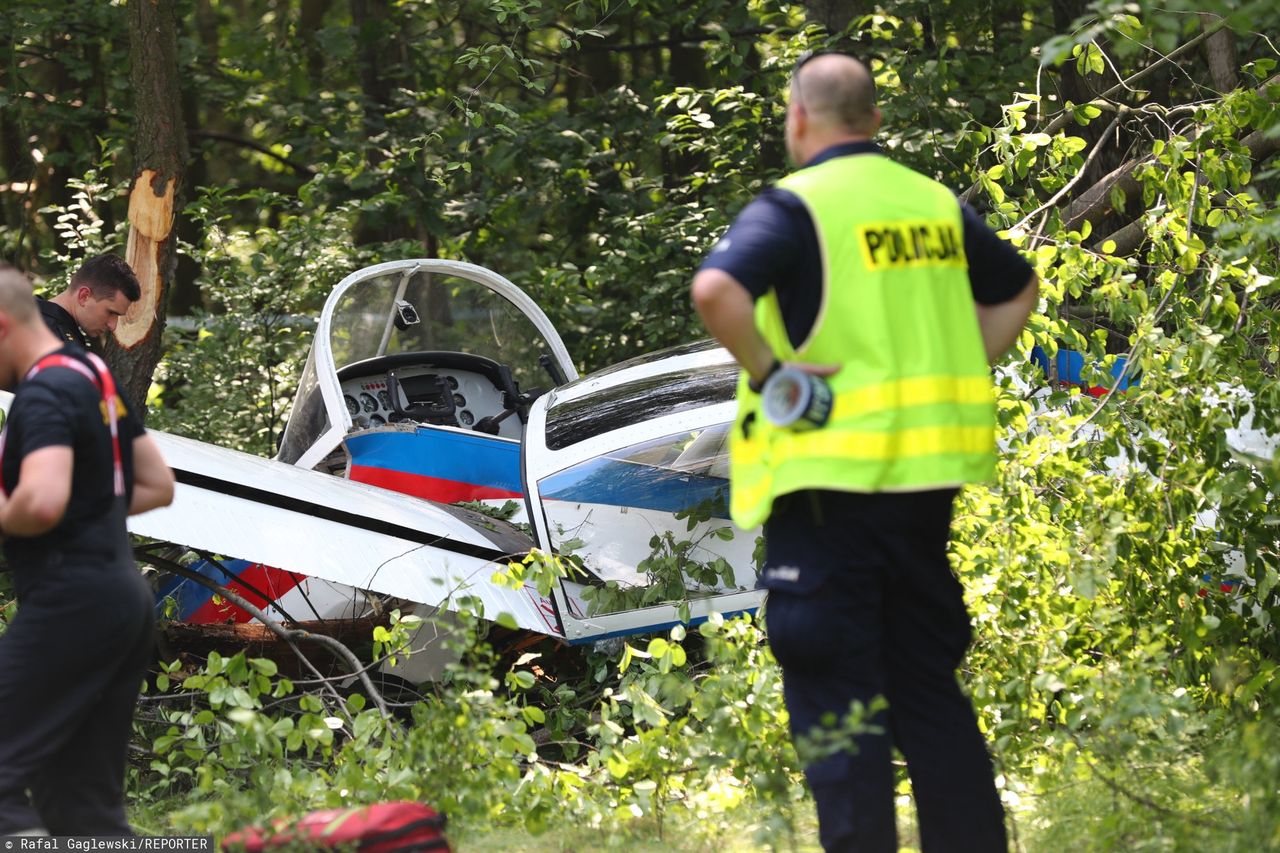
<point x="288" y="635"/>
<point x="1060" y="194"/>
<point x="1128" y="238"/>
<point x="1095" y="199"/>
<point x="1066" y="115"/>
<point x="1164" y="301"/>
<point x="1147" y="802"/>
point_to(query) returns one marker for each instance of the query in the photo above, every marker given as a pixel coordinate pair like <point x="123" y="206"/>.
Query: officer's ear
<point x="84" y="294"/>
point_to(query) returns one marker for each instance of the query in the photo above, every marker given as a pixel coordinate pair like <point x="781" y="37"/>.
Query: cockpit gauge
<point x="376" y="421"/>
<point x="368" y="403"/>
<point x="385" y="399"/>
<point x="353" y="408"/>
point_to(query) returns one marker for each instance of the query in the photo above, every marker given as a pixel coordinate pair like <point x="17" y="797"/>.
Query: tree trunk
<point x="688" y="64"/>
<point x="1220" y="50"/>
<point x="375" y="45"/>
<point x="17" y="169"/>
<point x="378" y="44"/>
<point x="160" y="154"/>
<point x="1006" y="18"/>
<point x="310" y="20"/>
<point x="835" y="15"/>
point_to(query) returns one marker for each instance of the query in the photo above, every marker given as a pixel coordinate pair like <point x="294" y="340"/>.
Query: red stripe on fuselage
<point x="431" y="488"/>
<point x="273" y="582"/>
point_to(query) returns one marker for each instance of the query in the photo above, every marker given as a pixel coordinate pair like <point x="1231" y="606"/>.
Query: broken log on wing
<point x="258" y="641"/>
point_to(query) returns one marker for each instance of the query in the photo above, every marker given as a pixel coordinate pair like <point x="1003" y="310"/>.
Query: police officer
<point x="875" y="277"/>
<point x="99" y="294"/>
<point x="74" y="461"/>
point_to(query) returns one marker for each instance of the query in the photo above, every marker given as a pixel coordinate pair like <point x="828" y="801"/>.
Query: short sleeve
<point x="45" y="420"/>
<point x="997" y="271"/>
<point x="131" y="426"/>
<point x="762" y="246"/>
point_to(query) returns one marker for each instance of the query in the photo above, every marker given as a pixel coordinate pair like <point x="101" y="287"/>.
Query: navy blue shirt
<point x="773" y="244"/>
<point x="61" y="323"/>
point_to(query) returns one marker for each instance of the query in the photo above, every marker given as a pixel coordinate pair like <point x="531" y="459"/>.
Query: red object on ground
<point x="380" y="828"/>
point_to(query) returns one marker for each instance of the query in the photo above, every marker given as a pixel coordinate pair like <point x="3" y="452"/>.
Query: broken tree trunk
<point x="1095" y="201"/>
<point x="160" y="154"/>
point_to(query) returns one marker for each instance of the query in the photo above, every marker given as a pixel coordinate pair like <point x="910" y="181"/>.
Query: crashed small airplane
<point x="435" y="382"/>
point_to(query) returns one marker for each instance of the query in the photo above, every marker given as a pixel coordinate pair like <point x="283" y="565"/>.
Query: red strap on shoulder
<point x="101" y="378"/>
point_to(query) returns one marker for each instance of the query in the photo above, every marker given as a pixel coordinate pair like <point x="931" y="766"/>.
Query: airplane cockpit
<point x="416" y="344"/>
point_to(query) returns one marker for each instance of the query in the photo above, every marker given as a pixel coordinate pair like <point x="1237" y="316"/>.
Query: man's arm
<point x="44" y="490"/>
<point x="152" y="478"/>
<point x="1002" y="322"/>
<point x="728" y="312"/>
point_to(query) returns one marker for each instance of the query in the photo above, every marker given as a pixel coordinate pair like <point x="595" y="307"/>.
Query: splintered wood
<point x="150" y="222"/>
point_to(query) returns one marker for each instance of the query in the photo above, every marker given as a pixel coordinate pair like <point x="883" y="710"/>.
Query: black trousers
<point x="71" y="665"/>
<point x="862" y="603"/>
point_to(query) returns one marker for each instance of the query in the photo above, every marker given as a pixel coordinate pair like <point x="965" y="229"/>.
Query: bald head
<point x="833" y="101"/>
<point x="837" y="92"/>
<point x="23" y="335"/>
<point x="16" y="298"/>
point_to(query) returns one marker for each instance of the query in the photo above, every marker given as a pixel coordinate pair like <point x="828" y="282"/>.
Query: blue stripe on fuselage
<point x="190" y="596"/>
<point x="443" y="454"/>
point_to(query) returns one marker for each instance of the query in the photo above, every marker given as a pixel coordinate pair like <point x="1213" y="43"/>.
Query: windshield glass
<point x="308" y="420"/>
<point x="573" y="420"/>
<point x="454" y="315"/>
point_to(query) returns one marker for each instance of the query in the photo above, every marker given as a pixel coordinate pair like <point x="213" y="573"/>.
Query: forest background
<point x="1122" y="571"/>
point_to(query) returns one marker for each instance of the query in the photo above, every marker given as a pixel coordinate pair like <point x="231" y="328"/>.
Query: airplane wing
<point x="238" y="505"/>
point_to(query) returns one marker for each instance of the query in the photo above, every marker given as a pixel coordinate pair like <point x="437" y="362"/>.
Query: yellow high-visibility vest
<point x="913" y="402"/>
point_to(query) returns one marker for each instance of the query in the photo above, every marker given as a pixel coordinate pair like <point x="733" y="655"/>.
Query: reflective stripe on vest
<point x="913" y="402"/>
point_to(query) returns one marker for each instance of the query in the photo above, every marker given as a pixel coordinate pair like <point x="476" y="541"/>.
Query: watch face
<point x="368" y="403"/>
<point x="353" y="408"/>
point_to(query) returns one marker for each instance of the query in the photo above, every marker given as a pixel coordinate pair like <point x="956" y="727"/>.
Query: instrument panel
<point x="368" y="399"/>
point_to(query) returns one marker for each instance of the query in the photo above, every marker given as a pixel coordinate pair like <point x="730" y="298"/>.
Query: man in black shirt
<point x="100" y="292"/>
<point x="74" y="462"/>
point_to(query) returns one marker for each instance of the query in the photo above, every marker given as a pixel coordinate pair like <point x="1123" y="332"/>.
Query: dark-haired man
<point x="862" y="271"/>
<point x="73" y="462"/>
<point x="99" y="294"/>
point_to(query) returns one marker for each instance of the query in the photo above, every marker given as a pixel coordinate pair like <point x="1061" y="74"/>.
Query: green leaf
<point x="266" y="666"/>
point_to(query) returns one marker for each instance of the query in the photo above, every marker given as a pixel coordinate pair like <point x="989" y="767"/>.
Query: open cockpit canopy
<point x="379" y="317"/>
